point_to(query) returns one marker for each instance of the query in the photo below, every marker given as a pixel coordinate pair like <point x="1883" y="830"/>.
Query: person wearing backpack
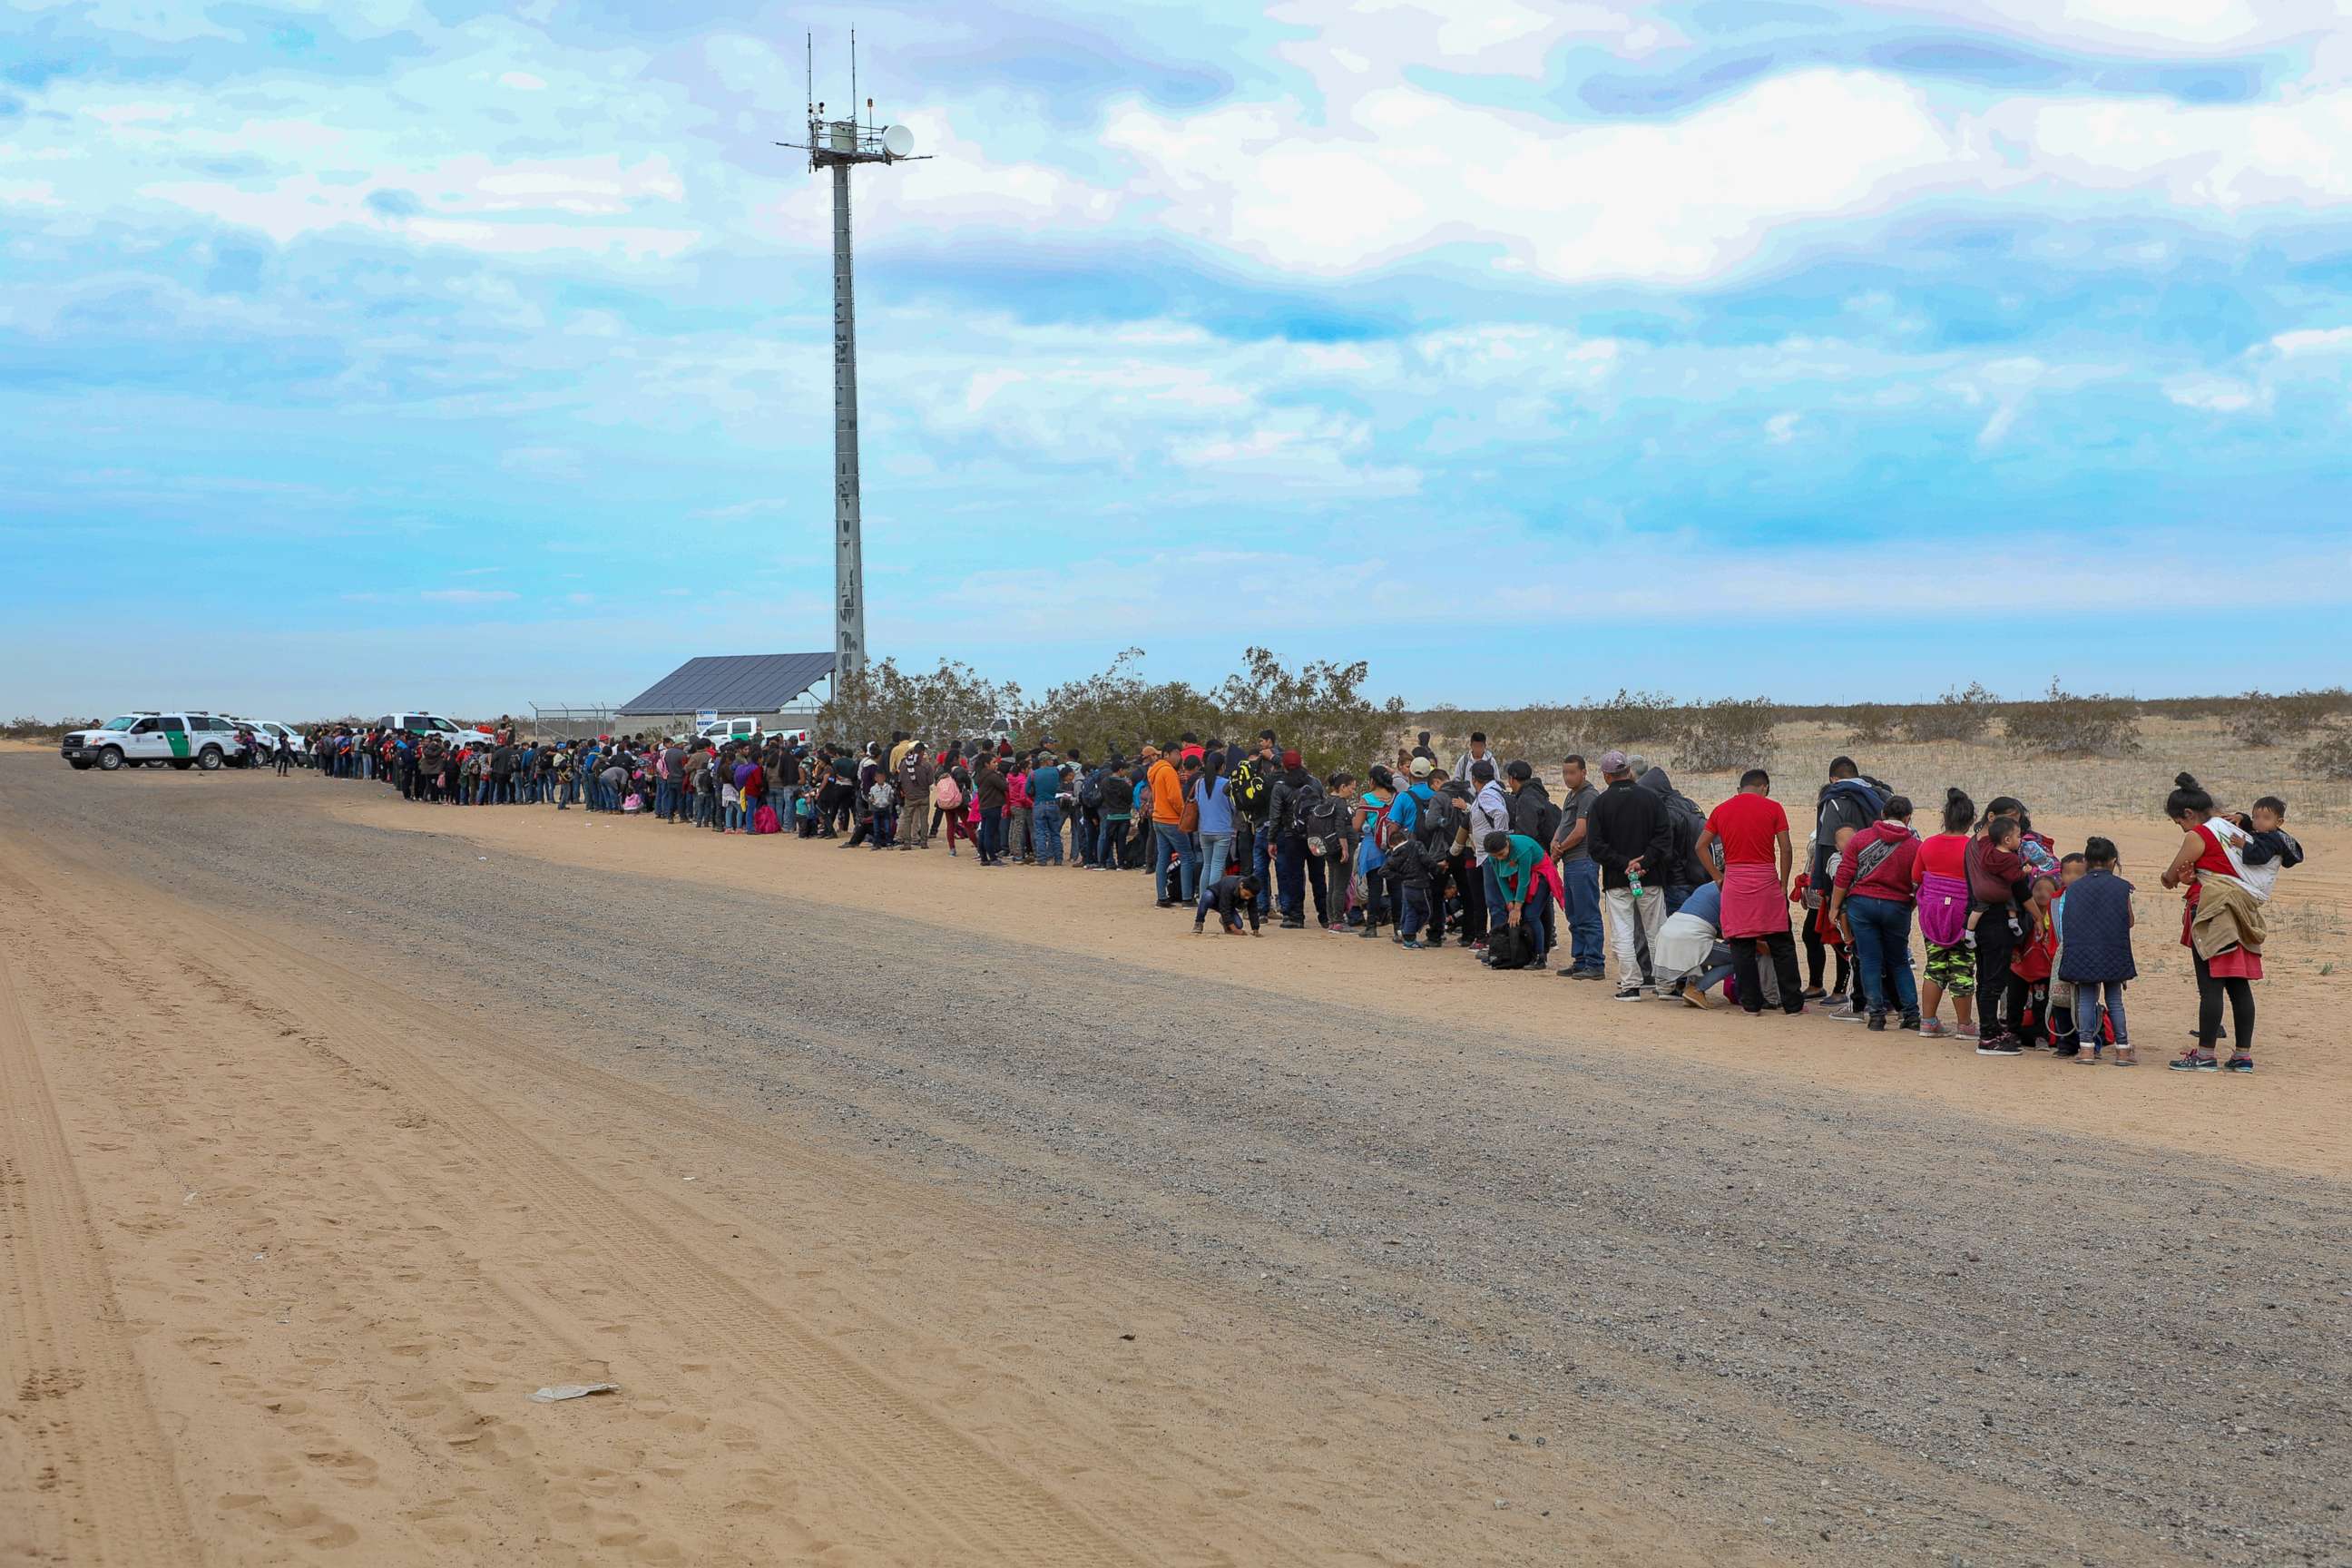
<point x="1685" y="870"/>
<point x="917" y="777"/>
<point x="1870" y="900"/>
<point x="1045" y="809"/>
<point x="1294" y="792"/>
<point x="1411" y="865"/>
<point x="1848" y="800"/>
<point x="1252" y="780"/>
<point x="1115" y="809"/>
<point x="1533" y="815"/>
<point x="1212" y="794"/>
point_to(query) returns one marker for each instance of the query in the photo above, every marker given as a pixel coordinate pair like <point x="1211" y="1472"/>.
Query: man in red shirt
<point x="1756" y="859"/>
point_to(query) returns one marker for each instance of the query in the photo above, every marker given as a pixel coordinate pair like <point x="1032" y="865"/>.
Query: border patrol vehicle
<point x="184" y="740"/>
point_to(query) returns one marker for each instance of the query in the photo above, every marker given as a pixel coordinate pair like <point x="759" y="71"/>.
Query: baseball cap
<point x="1420" y="767"/>
<point x="1612" y="762"/>
<point x="1290" y="759"/>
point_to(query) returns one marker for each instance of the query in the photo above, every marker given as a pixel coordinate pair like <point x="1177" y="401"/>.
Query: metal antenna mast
<point x="839" y="144"/>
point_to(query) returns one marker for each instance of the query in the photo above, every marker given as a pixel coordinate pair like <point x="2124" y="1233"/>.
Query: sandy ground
<point x="302" y="1199"/>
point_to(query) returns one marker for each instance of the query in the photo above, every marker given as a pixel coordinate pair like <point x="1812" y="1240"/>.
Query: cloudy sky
<point x="381" y="352"/>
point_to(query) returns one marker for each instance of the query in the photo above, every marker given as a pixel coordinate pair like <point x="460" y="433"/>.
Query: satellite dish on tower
<point x="897" y="141"/>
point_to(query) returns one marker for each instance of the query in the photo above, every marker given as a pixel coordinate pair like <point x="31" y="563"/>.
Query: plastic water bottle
<point x="1634" y="883"/>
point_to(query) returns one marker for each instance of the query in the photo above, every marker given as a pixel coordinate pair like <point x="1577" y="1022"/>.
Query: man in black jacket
<point x="1630" y="835"/>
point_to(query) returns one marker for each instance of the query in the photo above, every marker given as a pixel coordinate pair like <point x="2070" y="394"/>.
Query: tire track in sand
<point x="81" y="1398"/>
<point x="872" y="1438"/>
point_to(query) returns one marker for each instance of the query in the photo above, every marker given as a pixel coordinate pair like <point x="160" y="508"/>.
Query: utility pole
<point x="841" y="145"/>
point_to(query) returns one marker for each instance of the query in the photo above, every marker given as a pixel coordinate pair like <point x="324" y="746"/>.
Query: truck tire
<point x="179" y="764"/>
<point x="110" y="759"/>
<point x="209" y="759"/>
<point x="79" y="764"/>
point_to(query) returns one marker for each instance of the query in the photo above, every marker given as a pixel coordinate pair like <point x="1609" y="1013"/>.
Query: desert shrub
<point x="935" y="705"/>
<point x="2329" y="755"/>
<point x="24" y="727"/>
<point x="1118" y="710"/>
<point x="1868" y="724"/>
<point x="1628" y="717"/>
<point x="2265" y="718"/>
<point x="2067" y="723"/>
<point x="1731" y="733"/>
<point x="1957" y="715"/>
<point x="1318" y="708"/>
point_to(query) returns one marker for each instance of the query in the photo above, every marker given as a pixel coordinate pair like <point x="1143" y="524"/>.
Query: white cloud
<point x="522" y="81"/>
<point x="1781" y="428"/>
<point x="2217" y="394"/>
<point x="467" y="595"/>
<point x="2160" y="27"/>
<point x="2226" y="157"/>
<point x="2306" y="342"/>
<point x="1398" y="168"/>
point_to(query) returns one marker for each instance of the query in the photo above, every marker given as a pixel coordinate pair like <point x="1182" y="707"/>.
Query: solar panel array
<point x="733" y="683"/>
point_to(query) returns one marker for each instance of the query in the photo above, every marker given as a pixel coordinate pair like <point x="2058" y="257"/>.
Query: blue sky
<point x="394" y="351"/>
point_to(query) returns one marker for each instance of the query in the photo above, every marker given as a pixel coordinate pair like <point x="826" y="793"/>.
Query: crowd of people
<point x="2030" y="945"/>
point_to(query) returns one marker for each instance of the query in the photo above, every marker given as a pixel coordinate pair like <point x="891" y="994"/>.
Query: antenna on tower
<point x="840" y="145"/>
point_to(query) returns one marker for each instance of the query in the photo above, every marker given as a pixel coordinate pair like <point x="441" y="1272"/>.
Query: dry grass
<point x="2126" y="787"/>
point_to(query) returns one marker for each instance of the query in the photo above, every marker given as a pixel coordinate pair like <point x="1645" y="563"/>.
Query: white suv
<point x="204" y="741"/>
<point x="422" y="724"/>
<point x="269" y="732"/>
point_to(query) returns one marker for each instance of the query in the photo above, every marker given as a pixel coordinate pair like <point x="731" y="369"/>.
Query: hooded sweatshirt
<point x="1683" y="821"/>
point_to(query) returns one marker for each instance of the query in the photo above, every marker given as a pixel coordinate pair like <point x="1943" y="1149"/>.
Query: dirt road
<point x="919" y="1224"/>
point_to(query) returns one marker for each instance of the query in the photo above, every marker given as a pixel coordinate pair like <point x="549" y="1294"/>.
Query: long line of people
<point x="2032" y="948"/>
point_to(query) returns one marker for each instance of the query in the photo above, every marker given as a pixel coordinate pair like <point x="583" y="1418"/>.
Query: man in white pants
<point x="1630" y="834"/>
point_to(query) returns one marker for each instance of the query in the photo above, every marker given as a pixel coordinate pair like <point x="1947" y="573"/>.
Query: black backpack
<point x="1512" y="947"/>
<point x="1249" y="789"/>
<point x="1440" y="820"/>
<point x="1320" y="819"/>
<point x="1090" y="792"/>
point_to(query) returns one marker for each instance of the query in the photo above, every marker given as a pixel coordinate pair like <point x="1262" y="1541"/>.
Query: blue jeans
<point x="1216" y="851"/>
<point x="1045" y="832"/>
<point x="1261" y="860"/>
<point x="1412" y="909"/>
<point x="1677" y="895"/>
<point x="665" y="799"/>
<point x="1498" y="917"/>
<point x="1535" y="914"/>
<point x="1581" y="878"/>
<point x="1177" y="842"/>
<point x="991" y="834"/>
<point x="2091" y="998"/>
<point x="1881" y="940"/>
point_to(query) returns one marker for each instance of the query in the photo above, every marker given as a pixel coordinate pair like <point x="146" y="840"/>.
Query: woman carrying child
<point x="2221" y="925"/>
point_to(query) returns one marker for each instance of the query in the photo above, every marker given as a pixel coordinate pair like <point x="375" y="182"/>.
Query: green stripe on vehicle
<point x="179" y="742"/>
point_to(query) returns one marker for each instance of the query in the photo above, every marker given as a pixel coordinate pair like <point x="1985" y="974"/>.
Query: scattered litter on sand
<point x="548" y="1395"/>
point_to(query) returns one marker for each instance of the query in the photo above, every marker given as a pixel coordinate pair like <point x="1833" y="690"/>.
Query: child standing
<point x="2097" y="957"/>
<point x="2065" y="1039"/>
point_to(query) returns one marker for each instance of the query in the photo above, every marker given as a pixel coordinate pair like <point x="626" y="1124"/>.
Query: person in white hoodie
<point x="1490" y="811"/>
